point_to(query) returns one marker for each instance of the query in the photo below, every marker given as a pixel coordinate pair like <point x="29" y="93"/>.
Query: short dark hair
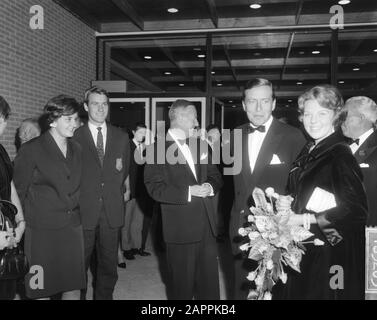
<point x="258" y="82"/>
<point x="94" y="90"/>
<point x="139" y="125"/>
<point x="212" y="126"/>
<point x="4" y="108"/>
<point x="59" y="106"/>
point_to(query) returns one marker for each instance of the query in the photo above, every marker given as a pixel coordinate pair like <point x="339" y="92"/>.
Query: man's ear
<point x="274" y="104"/>
<point x="244" y="106"/>
<point x="86" y="107"/>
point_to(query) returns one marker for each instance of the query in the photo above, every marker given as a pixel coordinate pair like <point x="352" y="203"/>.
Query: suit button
<point x="100" y="199"/>
<point x="69" y="211"/>
<point x="102" y="185"/>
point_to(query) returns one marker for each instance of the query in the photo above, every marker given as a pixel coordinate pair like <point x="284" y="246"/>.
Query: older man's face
<point x="353" y="124"/>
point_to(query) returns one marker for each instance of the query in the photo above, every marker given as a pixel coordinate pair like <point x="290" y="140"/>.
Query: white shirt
<point x="354" y="146"/>
<point x="94" y="131"/>
<point x="255" y="141"/>
<point x="185" y="151"/>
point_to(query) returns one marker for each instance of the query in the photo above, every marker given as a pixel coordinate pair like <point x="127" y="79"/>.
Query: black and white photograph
<point x="213" y="152"/>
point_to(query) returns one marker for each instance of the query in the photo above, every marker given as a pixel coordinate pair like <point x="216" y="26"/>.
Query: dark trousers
<point x="193" y="269"/>
<point x="242" y="286"/>
<point x="104" y="240"/>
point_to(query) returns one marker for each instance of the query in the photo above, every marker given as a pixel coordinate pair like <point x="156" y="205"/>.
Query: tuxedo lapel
<point x="270" y="144"/>
<point x="88" y="136"/>
<point x="246" y="170"/>
<point x="367" y="148"/>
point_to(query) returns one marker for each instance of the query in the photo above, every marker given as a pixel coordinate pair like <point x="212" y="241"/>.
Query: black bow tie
<point x="251" y="129"/>
<point x="351" y="141"/>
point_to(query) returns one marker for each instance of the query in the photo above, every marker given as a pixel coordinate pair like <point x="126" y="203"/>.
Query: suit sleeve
<point x="351" y="210"/>
<point x="127" y="156"/>
<point x="24" y="165"/>
<point x="162" y="190"/>
<point x="214" y="177"/>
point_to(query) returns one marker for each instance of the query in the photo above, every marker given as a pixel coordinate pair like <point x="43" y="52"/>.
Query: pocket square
<point x="119" y="164"/>
<point x="275" y="160"/>
<point x="203" y="156"/>
<point x="364" y="165"/>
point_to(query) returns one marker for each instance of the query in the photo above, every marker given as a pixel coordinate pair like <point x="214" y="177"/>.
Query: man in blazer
<point x="359" y="125"/>
<point x="139" y="209"/>
<point x="184" y="183"/>
<point x="106" y="157"/>
<point x="268" y="149"/>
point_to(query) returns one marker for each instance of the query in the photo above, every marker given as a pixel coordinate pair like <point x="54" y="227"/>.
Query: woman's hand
<point x="19" y="232"/>
<point x="6" y="240"/>
<point x="284" y="203"/>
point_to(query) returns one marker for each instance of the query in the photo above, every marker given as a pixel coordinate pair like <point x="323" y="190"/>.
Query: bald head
<point x="361" y="116"/>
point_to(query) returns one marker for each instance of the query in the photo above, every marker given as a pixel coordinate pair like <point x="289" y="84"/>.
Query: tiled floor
<point x="144" y="277"/>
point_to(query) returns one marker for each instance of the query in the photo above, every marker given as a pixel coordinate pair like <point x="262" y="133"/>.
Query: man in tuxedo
<point x="184" y="184"/>
<point x="268" y="149"/>
<point x="106" y="157"/>
<point x="359" y="126"/>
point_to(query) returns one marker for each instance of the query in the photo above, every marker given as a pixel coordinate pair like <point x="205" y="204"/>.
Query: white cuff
<point x="189" y="194"/>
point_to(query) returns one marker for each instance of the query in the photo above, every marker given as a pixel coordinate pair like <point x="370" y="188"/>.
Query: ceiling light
<point x="375" y="50"/>
<point x="234" y="106"/>
<point x="267" y="59"/>
<point x="219" y="84"/>
<point x="201" y="56"/>
<point x="167" y="73"/>
<point x="299" y="83"/>
<point x="173" y="10"/>
<point x="197" y="49"/>
<point x="341" y="82"/>
<point x="356" y="69"/>
<point x="302" y="52"/>
<point x="147" y="57"/>
<point x="320" y="44"/>
<point x="255" y="6"/>
<point x="257" y="53"/>
<point x="343" y="2"/>
<point x="213" y="72"/>
<point x="181" y="84"/>
<point x="230" y="101"/>
<point x="316" y="52"/>
<point x="289" y="100"/>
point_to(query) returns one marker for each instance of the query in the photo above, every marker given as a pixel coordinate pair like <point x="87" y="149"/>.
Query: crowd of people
<point x="86" y="197"/>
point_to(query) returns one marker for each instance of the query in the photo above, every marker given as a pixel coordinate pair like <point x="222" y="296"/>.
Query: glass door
<point x="126" y="112"/>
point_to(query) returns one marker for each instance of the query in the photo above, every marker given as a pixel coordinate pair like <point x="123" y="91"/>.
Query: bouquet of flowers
<point x="273" y="242"/>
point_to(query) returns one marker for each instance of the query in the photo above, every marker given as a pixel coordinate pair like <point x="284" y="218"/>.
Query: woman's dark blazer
<point x="47" y="183"/>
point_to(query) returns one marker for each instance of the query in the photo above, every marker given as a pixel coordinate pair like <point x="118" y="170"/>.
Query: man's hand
<point x="202" y="191"/>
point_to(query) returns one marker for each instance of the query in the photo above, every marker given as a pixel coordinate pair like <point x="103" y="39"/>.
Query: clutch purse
<point x="13" y="262"/>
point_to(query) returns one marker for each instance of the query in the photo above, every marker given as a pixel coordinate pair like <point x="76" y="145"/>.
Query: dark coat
<point x="183" y="221"/>
<point x="332" y="167"/>
<point x="47" y="183"/>
<point x="283" y="140"/>
<point x="103" y="187"/>
<point x="367" y="155"/>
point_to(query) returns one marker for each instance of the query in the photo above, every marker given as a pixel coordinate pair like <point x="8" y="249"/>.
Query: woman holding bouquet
<point x="327" y="177"/>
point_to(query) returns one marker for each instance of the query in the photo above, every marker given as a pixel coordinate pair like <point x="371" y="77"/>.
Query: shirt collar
<point x="94" y="128"/>
<point x="365" y="136"/>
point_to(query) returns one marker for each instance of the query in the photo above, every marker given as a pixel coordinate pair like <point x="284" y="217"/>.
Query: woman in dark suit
<point x="336" y="269"/>
<point x="47" y="177"/>
<point x="8" y="192"/>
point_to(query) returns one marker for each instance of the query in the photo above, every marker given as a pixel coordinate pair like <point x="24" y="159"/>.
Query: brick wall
<point x="36" y="65"/>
